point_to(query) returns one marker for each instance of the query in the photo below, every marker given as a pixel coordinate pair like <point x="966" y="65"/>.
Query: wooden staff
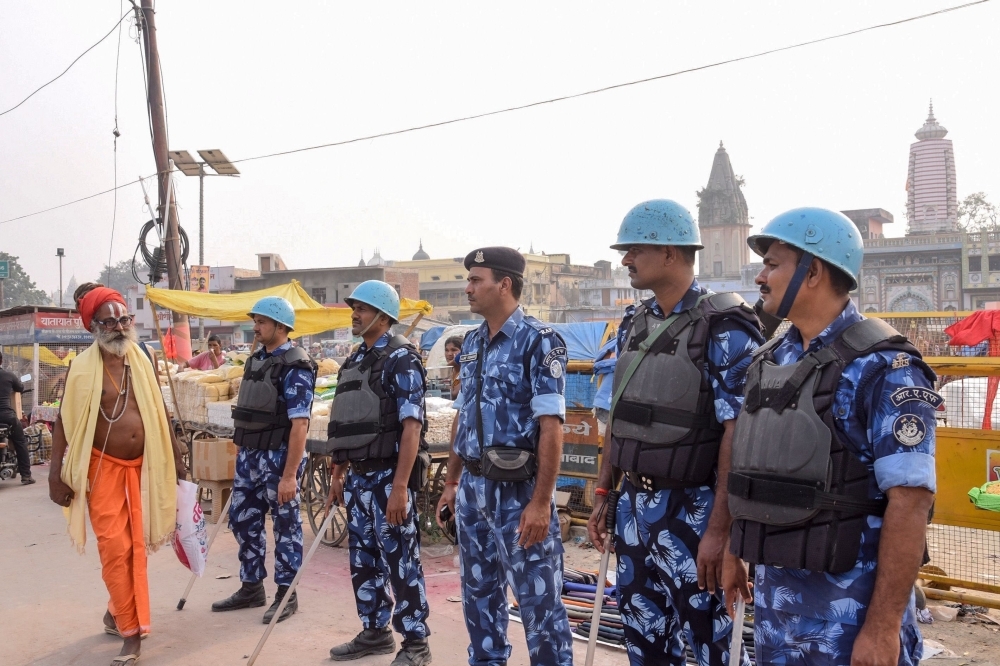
<point x="166" y="365"/>
<point x="413" y="325"/>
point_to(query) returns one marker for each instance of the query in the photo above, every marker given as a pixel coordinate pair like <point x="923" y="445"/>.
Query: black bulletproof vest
<point x="664" y="424"/>
<point x="799" y="496"/>
<point x="261" y="413"/>
<point x="364" y="422"/>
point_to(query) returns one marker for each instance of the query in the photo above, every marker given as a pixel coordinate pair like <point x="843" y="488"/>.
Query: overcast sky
<point x="824" y="125"/>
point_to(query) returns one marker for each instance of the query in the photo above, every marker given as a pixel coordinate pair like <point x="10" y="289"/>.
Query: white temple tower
<point x="724" y="222"/>
<point x="931" y="200"/>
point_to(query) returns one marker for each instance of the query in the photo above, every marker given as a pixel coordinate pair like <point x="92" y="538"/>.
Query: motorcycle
<point x="8" y="457"/>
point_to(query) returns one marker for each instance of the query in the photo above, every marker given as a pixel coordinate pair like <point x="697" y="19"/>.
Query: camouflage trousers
<point x="656" y="541"/>
<point x="385" y="557"/>
<point x="255" y="493"/>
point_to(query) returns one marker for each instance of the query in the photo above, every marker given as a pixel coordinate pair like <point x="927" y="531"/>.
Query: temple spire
<point x="931" y="129"/>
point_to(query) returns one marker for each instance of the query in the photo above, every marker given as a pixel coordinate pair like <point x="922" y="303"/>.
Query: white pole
<point x="291" y="588"/>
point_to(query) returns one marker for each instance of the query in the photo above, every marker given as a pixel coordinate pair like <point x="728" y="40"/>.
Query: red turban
<point x="94" y="299"/>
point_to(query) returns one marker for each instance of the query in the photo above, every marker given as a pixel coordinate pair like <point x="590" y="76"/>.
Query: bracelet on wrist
<point x="451" y="483"/>
<point x="603" y="492"/>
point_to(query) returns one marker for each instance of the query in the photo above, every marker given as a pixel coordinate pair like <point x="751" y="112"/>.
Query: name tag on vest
<point x="466" y="358"/>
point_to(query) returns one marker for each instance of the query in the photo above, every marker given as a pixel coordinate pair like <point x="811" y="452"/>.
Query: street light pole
<point x="201" y="214"/>
<point x="60" y="253"/>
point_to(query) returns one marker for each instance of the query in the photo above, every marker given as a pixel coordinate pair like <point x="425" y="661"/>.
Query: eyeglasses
<point x="110" y="324"/>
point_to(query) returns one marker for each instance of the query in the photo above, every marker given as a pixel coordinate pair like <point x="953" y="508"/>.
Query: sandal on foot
<point x="113" y="631"/>
<point x="125" y="660"/>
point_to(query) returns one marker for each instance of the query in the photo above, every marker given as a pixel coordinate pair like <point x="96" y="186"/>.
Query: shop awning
<point x="310" y="317"/>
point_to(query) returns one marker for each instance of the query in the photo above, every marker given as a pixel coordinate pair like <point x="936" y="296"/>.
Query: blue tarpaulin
<point x="583" y="339"/>
<point x="429" y="337"/>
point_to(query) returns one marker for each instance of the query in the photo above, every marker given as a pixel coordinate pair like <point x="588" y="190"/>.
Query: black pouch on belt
<point x="505" y="463"/>
<point x="421" y="468"/>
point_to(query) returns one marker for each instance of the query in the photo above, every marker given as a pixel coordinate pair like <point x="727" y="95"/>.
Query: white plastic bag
<point x="190" y="537"/>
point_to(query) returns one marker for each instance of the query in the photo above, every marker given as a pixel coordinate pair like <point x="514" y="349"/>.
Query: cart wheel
<point x="315" y="487"/>
<point x="431" y="495"/>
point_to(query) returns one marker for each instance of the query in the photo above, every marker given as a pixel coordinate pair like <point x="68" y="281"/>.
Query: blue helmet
<point x="276" y="308"/>
<point x="377" y="294"/>
<point x="825" y="234"/>
<point x="658" y="222"/>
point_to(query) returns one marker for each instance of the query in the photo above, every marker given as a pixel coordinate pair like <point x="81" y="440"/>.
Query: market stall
<point x="203" y="401"/>
<point x="41" y="341"/>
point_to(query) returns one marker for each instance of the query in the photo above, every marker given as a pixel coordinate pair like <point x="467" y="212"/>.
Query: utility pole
<point x="61" y="253"/>
<point x="166" y="208"/>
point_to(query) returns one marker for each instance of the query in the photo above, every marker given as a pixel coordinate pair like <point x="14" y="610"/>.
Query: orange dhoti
<point x="115" y="503"/>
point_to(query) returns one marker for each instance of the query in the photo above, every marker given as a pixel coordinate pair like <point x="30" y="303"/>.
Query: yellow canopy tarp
<point x="45" y="355"/>
<point x="310" y="317"/>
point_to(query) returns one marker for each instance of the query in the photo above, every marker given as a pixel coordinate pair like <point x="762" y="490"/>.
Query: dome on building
<point x="931" y="128"/>
<point x="376" y="259"/>
<point x="421" y="255"/>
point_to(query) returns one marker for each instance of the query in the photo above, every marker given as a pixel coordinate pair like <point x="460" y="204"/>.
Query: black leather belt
<point x="370" y="465"/>
<point x="473" y="465"/>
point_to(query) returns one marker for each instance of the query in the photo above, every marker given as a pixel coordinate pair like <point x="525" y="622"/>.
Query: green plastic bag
<point x="984" y="500"/>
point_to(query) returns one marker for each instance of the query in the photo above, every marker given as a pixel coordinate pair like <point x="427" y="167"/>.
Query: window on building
<point x="975" y="264"/>
<point x="319" y="294"/>
<point x="717" y="268"/>
<point x="435" y="278"/>
<point x="994" y="260"/>
<point x="459" y="277"/>
<point x="139" y="303"/>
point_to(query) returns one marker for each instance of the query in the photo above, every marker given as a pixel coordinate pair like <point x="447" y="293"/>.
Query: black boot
<point x="414" y="653"/>
<point x="369" y="641"/>
<point x="251" y="595"/>
<point x="26" y="480"/>
<point x="290" y="607"/>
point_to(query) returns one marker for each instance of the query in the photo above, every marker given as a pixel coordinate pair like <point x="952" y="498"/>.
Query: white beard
<point x="114" y="342"/>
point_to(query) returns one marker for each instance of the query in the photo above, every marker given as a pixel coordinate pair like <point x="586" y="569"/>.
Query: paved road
<point x="52" y="601"/>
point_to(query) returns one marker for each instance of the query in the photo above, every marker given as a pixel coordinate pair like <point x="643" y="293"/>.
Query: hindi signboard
<point x="580" y="445"/>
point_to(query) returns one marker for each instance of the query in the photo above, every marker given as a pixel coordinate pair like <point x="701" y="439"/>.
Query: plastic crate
<point x="580" y="390"/>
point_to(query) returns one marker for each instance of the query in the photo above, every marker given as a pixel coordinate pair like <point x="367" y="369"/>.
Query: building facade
<point x="922" y="271"/>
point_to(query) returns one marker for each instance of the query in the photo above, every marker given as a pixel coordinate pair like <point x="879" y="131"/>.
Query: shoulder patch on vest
<point x="901" y="361"/>
<point x="910" y="393"/>
<point x="555" y="369"/>
<point x="909" y="429"/>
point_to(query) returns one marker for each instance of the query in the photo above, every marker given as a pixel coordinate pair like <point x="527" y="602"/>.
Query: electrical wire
<point x="39" y="89"/>
<point x="616" y="86"/>
<point x="552" y="100"/>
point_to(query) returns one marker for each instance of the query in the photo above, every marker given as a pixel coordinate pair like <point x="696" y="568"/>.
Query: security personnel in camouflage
<point x="503" y="466"/>
<point x="835" y="445"/>
<point x="678" y="383"/>
<point x="376" y="430"/>
<point x="271" y="418"/>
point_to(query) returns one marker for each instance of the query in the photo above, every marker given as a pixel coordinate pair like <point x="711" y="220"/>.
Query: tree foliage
<point x="976" y="213"/>
<point x="19" y="289"/>
<point x="119" y="276"/>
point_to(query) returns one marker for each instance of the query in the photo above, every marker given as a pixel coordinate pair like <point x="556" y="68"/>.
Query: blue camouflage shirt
<point x="889" y="427"/>
<point x="523" y="376"/>
<point x="297" y="385"/>
<point x="729" y="351"/>
<point x="403" y="378"/>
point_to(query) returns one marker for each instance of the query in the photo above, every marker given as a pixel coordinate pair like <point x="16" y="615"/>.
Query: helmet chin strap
<point x="378" y="314"/>
<point x="794" y="285"/>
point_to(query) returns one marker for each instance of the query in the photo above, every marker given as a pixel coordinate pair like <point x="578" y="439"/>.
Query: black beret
<point x="501" y="258"/>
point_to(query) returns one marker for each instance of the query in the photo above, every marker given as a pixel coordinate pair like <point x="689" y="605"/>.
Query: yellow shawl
<point x="80" y="411"/>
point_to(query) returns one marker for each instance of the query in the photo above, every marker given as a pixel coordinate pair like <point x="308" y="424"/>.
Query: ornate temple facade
<point x="922" y="271"/>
